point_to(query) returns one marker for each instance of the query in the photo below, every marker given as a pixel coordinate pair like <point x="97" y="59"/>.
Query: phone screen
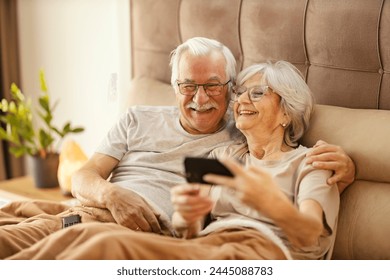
<point x="197" y="167"/>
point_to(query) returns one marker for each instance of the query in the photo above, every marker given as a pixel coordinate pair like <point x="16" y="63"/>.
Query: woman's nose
<point x="244" y="97"/>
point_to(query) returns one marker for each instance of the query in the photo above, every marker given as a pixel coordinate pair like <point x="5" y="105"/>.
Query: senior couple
<point x="282" y="202"/>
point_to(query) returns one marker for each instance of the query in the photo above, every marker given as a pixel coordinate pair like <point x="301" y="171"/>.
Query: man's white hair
<point x="200" y="46"/>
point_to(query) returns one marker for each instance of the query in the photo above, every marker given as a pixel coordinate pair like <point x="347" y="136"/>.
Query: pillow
<point x="147" y="91"/>
<point x="72" y="158"/>
<point x="362" y="133"/>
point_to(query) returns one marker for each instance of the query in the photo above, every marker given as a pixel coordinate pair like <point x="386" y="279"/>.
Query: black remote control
<point x="71" y="220"/>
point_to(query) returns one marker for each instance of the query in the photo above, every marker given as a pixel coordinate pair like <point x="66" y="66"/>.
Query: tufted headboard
<point x="342" y="47"/>
<point x="343" y="50"/>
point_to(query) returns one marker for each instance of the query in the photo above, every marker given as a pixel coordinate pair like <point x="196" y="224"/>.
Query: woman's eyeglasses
<point x="255" y="93"/>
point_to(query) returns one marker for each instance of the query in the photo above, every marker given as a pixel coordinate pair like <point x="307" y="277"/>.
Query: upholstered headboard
<point x="342" y="49"/>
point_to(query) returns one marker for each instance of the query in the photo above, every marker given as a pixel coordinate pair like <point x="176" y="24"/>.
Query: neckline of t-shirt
<point x="284" y="158"/>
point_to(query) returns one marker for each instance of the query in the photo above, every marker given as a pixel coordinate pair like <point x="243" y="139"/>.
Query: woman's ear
<point x="285" y="120"/>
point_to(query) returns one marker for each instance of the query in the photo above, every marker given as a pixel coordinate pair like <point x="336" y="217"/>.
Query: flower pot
<point x="45" y="170"/>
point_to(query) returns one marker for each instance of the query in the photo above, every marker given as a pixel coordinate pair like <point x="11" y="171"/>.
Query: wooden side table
<point x="24" y="188"/>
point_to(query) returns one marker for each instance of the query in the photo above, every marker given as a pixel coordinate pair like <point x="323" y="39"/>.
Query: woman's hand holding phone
<point x="196" y="168"/>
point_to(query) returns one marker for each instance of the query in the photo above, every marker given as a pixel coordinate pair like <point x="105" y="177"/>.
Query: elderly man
<point x="143" y="153"/>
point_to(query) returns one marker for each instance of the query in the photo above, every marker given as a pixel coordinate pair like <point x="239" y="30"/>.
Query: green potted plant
<point x="19" y="130"/>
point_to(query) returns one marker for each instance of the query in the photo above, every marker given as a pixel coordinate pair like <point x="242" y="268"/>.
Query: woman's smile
<point x="247" y="112"/>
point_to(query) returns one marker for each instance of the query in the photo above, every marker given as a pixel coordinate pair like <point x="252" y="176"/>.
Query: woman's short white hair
<point x="200" y="46"/>
<point x="296" y="97"/>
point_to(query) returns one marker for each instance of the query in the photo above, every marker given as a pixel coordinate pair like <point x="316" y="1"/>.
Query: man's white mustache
<point x="194" y="106"/>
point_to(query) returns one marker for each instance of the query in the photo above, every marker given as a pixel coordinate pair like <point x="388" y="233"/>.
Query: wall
<point x="81" y="45"/>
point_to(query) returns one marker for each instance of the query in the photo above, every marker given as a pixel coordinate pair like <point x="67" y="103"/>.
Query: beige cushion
<point x="364" y="224"/>
<point x="363" y="134"/>
<point x="147" y="91"/>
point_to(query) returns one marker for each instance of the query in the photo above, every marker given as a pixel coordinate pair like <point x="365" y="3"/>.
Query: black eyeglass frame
<point x="204" y="88"/>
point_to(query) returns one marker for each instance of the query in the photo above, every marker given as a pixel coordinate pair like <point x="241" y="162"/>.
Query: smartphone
<point x="197" y="167"/>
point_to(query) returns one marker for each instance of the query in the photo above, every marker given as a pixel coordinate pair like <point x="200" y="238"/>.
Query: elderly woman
<point x="277" y="192"/>
<point x="277" y="206"/>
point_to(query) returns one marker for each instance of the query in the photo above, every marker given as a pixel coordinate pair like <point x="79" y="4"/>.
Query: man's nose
<point x="201" y="96"/>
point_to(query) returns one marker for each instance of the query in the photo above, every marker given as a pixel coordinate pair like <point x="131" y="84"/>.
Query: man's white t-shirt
<point x="151" y="145"/>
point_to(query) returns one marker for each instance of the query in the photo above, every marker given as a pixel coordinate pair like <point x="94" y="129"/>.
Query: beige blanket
<point x="24" y="223"/>
<point x="112" y="241"/>
<point x="33" y="230"/>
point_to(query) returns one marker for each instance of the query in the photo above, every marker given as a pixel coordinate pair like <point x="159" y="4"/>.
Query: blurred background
<point x="83" y="46"/>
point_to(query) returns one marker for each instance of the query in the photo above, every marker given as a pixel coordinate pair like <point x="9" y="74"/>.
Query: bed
<point x="343" y="50"/>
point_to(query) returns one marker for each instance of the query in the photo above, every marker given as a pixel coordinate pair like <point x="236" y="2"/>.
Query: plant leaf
<point x="44" y="102"/>
<point x="45" y="139"/>
<point x="77" y="129"/>
<point x="42" y="80"/>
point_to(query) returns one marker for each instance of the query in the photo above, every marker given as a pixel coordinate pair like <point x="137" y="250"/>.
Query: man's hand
<point x="131" y="210"/>
<point x="332" y="157"/>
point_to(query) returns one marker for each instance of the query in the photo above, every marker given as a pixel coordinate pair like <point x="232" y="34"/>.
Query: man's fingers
<point x="152" y="223"/>
<point x="334" y="179"/>
<point x="327" y="165"/>
<point x="144" y="221"/>
<point x="320" y="143"/>
<point x="316" y="150"/>
<point x="324" y="157"/>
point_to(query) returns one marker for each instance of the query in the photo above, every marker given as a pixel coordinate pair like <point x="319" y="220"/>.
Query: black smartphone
<point x="197" y="167"/>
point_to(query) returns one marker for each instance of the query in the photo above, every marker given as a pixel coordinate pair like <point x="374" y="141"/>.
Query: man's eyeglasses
<point x="255" y="93"/>
<point x="211" y="89"/>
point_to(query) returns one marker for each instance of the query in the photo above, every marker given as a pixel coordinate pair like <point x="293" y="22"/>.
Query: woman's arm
<point x="302" y="226"/>
<point x="256" y="188"/>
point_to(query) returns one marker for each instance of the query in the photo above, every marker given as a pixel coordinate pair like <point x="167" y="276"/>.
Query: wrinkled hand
<point x="189" y="204"/>
<point x="254" y="186"/>
<point x="332" y="157"/>
<point x="130" y="210"/>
